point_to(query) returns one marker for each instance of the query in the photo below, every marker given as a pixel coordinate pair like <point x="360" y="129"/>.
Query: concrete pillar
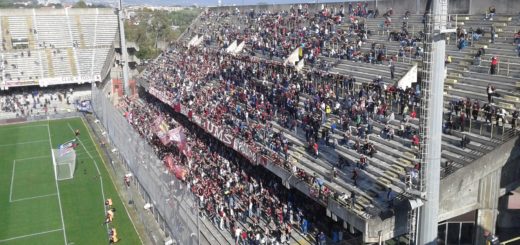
<point x="488" y="194"/>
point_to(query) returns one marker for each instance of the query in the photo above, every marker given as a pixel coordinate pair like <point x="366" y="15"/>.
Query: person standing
<point x="494" y="64"/>
<point x="490" y="92"/>
<point x="392" y="69"/>
<point x="514" y="119"/>
<point x="493" y="34"/>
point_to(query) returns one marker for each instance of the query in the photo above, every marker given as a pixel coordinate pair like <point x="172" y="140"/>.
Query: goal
<point x="64" y="163"/>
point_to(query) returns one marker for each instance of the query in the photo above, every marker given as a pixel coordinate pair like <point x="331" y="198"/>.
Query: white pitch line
<point x="57" y="187"/>
<point x="97" y="169"/>
<point x="30" y="158"/>
<point x="24" y="143"/>
<point x="30" y="198"/>
<point x="110" y="176"/>
<point x="34" y="234"/>
<point x="12" y="180"/>
<point x="28" y="126"/>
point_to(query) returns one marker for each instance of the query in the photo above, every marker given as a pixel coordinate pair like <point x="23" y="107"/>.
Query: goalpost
<point x="64" y="161"/>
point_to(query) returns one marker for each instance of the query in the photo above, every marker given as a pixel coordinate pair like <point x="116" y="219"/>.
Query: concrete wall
<point x="460" y="191"/>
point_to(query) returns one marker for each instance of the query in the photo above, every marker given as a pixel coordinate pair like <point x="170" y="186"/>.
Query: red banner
<point x="179" y="172"/>
<point x="168" y="162"/>
<point x="222" y="134"/>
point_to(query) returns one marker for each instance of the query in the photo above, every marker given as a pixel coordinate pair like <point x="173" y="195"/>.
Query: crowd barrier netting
<point x="173" y="204"/>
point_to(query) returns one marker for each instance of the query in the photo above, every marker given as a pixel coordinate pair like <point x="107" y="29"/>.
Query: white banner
<point x="44" y="82"/>
<point x="239" y="47"/>
<point x="409" y="78"/>
<point x="199" y="41"/>
<point x="18" y="83"/>
<point x="300" y="65"/>
<point x="294" y="57"/>
<point x="231" y="48"/>
<point x="193" y="40"/>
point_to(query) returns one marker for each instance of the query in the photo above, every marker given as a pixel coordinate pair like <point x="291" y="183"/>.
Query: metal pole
<point x="508" y="62"/>
<point x="198" y="226"/>
<point x="429" y="213"/>
<point x="124" y="55"/>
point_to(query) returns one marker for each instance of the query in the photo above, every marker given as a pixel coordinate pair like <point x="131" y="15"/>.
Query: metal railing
<point x="167" y="195"/>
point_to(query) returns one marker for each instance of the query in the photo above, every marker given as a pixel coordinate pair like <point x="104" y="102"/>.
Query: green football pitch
<point x="35" y="208"/>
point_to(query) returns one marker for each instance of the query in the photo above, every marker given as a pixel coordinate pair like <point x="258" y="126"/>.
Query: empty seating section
<point x="88" y="26"/>
<point x="105" y="31"/>
<point x="394" y="158"/>
<point x="53" y="31"/>
<point x="18" y="27"/>
<point x="88" y="60"/>
<point x="60" y="42"/>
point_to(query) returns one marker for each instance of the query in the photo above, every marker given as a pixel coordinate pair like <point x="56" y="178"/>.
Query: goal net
<point x="64" y="163"/>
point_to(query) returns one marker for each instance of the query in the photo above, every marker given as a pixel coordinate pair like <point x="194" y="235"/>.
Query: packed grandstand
<point x="291" y="124"/>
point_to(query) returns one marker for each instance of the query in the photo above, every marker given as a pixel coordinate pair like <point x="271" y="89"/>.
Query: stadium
<point x="354" y="122"/>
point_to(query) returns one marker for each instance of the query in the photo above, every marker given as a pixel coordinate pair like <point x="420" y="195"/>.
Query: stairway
<point x="6" y="34"/>
<point x="32" y="43"/>
<point x="50" y="64"/>
<point x="72" y="62"/>
<point x="77" y="20"/>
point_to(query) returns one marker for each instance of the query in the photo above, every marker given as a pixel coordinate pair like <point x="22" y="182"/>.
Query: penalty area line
<point x="35" y="197"/>
<point x="29" y="235"/>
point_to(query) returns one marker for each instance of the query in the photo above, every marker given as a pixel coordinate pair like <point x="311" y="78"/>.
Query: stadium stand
<point x="393" y="135"/>
<point x="45" y="47"/>
<point x="338" y="129"/>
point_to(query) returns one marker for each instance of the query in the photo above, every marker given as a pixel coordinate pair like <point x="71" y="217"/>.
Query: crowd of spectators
<point x="235" y="196"/>
<point x="25" y="103"/>
<point x="247" y="94"/>
<point x="332" y="31"/>
<point x="254" y="93"/>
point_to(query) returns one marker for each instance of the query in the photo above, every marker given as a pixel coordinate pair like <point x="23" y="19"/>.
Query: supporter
<point x="493" y="34"/>
<point x="464" y="141"/>
<point x="490" y="92"/>
<point x="494" y="64"/>
<point x="514" y="119"/>
<point x="415" y="140"/>
<point x="490" y="13"/>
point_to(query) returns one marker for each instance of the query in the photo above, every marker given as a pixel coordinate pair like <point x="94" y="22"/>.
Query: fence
<point x="173" y="205"/>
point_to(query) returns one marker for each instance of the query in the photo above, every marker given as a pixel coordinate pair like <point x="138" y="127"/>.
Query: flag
<point x="161" y="126"/>
<point x="179" y="172"/>
<point x="168" y="162"/>
<point x="177" y="135"/>
<point x="67" y="147"/>
<point x="163" y="137"/>
<point x="185" y="149"/>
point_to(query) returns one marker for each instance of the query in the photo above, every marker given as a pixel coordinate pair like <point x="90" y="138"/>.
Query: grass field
<point x="37" y="209"/>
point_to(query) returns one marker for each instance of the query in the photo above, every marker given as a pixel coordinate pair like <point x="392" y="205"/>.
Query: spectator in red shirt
<point x="415" y="140"/>
<point x="494" y="64"/>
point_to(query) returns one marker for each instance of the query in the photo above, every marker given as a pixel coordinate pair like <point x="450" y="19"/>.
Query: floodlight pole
<point x="124" y="55"/>
<point x="431" y="119"/>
